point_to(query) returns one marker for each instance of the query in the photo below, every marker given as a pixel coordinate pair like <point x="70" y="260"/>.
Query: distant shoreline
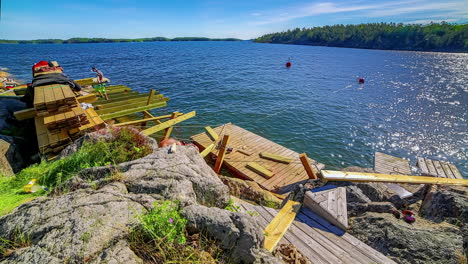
<point x="106" y="40"/>
<point x="434" y="37"/>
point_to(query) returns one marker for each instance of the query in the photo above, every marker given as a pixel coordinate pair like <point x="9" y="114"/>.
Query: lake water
<point x="412" y="103"/>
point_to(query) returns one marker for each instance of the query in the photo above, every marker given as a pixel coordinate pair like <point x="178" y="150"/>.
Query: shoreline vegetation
<point x="107" y="40"/>
<point x="442" y="37"/>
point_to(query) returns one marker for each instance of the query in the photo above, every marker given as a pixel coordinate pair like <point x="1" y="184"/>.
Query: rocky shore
<point x="89" y="218"/>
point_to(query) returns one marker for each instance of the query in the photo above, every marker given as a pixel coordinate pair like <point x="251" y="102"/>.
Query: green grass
<point x="161" y="238"/>
<point x="126" y="145"/>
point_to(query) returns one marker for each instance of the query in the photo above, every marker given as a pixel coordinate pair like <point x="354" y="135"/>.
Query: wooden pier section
<point x="272" y="166"/>
<point x="317" y="239"/>
<point x="437" y="168"/>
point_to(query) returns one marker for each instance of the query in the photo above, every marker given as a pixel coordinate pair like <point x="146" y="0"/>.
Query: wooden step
<point x="329" y="204"/>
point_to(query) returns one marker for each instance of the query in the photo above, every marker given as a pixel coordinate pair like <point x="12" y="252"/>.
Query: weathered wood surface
<point x="279" y="225"/>
<point x="377" y="177"/>
<point x="244" y="141"/>
<point x="317" y="239"/>
<point x="387" y="164"/>
<point x="167" y="124"/>
<point x="5" y="167"/>
<point x="438" y="168"/>
<point x="329" y="204"/>
<point x="53" y="98"/>
<point x="130" y="111"/>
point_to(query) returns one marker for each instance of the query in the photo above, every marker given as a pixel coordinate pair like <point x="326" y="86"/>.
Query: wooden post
<point x="150" y="96"/>
<point x="221" y="154"/>
<point x="168" y="131"/>
<point x="305" y="162"/>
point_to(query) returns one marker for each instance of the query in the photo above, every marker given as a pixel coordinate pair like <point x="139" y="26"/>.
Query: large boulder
<point x="75" y="228"/>
<point x="11" y="160"/>
<point x="420" y="242"/>
<point x="182" y="175"/>
<point x="238" y="232"/>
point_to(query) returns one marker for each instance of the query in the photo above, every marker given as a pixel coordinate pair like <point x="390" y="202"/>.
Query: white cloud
<point x="366" y="10"/>
<point x="428" y="21"/>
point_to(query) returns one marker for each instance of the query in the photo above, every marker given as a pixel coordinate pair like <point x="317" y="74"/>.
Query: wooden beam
<point x="127" y="102"/>
<point x="89" y="98"/>
<point x="305" y="162"/>
<point x="144" y="120"/>
<point x="221" y="153"/>
<point x="124" y="106"/>
<point x="167" y="124"/>
<point x="211" y="133"/>
<point x="168" y="131"/>
<point x="150" y="96"/>
<point x="376" y="177"/>
<point x="207" y="150"/>
<point x="274" y="157"/>
<point x="259" y="169"/>
<point x="25" y="114"/>
<point x="280" y="224"/>
<point x="132" y="111"/>
<point x="118" y="97"/>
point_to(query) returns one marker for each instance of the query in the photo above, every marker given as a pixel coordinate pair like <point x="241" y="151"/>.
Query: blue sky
<point x="35" y="19"/>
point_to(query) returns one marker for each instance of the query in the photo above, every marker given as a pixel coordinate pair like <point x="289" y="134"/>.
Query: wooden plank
<point x="167" y="124"/>
<point x="422" y="166"/>
<point x="431" y="168"/>
<point x="168" y="131"/>
<point x="455" y="171"/>
<point x="440" y="171"/>
<point x="375" y="177"/>
<point x="280" y="224"/>
<point x="245" y="152"/>
<point x="132" y="111"/>
<point x="330" y="204"/>
<point x="274" y="157"/>
<point x="211" y="133"/>
<point x="384" y="163"/>
<point x="207" y="150"/>
<point x="116" y="97"/>
<point x="89" y="98"/>
<point x="308" y="168"/>
<point x="259" y="169"/>
<point x="150" y="96"/>
<point x="133" y="122"/>
<point x="124" y="106"/>
<point x="221" y="153"/>
<point x="447" y="170"/>
<point x="123" y="102"/>
<point x="25" y="114"/>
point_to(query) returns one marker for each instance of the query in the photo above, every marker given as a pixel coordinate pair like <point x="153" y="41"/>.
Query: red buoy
<point x="288" y="64"/>
<point x="168" y="142"/>
<point x="361" y="80"/>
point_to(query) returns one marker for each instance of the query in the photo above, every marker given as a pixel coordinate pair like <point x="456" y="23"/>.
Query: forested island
<point x="432" y="37"/>
<point x="106" y="40"/>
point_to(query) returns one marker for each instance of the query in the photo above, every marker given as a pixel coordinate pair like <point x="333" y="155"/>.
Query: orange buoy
<point x="288" y="64"/>
<point x="168" y="142"/>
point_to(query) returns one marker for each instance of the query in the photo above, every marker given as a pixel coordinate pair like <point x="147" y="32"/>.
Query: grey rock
<point x="119" y="253"/>
<point x="238" y="232"/>
<point x="420" y="242"/>
<point x="184" y="172"/>
<point x="73" y="227"/>
<point x="10" y="155"/>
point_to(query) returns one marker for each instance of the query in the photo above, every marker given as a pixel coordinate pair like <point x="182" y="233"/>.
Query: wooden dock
<point x="317" y="239"/>
<point x="437" y="168"/>
<point x="272" y="166"/>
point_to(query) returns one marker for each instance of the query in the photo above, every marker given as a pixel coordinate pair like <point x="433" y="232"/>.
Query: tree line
<point x="107" y="40"/>
<point x="432" y="37"/>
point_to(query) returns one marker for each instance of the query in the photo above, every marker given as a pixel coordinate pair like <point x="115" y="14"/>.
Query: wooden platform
<point x="384" y="163"/>
<point x="247" y="147"/>
<point x="329" y="204"/>
<point x="438" y="169"/>
<point x="317" y="239"/>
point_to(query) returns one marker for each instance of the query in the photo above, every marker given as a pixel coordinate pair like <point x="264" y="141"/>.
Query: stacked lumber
<point x="50" y="143"/>
<point x="73" y="118"/>
<point x="53" y="98"/>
